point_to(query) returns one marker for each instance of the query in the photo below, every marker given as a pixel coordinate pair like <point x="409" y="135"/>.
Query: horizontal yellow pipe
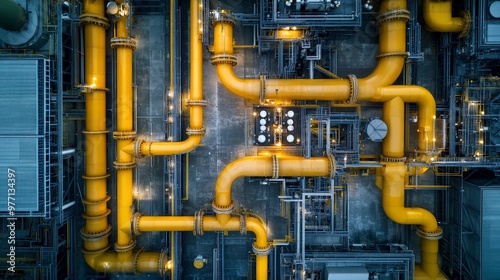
<point x="170" y="148"/>
<point x="210" y="223"/>
<point x="262" y="166"/>
<point x="438" y="17"/>
<point x="111" y="262"/>
<point x="392" y="41"/>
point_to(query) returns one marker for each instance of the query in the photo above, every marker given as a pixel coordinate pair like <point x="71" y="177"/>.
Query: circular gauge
<point x="263" y="128"/>
<point x="263" y="113"/>
<point x="290" y="128"/>
<point x="290" y="114"/>
<point x="262" y="121"/>
<point x="261" y="138"/>
<point x="495" y="9"/>
<point x="289" y="121"/>
<point x="290" y="138"/>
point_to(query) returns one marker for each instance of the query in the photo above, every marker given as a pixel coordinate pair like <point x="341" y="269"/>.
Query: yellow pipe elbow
<point x="393" y="199"/>
<point x="170" y="148"/>
<point x="426" y="109"/>
<point x="437" y="16"/>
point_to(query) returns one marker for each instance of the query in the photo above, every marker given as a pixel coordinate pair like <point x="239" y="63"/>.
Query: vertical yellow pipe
<point x="96" y="230"/>
<point x="393" y="115"/>
<point x="196" y="102"/>
<point x="124" y="134"/>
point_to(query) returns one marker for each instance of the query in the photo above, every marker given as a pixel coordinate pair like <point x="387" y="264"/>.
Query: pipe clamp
<point x="222" y="209"/>
<point x="261" y="251"/>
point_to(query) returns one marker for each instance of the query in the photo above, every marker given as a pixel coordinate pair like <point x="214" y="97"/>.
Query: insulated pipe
<point x="12" y="15"/>
<point x="196" y="102"/>
<point x="209" y="223"/>
<point x="124" y="134"/>
<point x="437" y="16"/>
<point x="264" y="166"/>
<point x="392" y="44"/>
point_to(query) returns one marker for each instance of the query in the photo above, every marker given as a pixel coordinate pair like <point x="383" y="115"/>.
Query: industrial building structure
<point x="250" y="139"/>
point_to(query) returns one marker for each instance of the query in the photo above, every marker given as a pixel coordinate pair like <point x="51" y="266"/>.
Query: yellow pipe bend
<point x="438" y="17"/>
<point x="210" y="223"/>
<point x="196" y="102"/>
<point x="426" y="108"/>
<point x="392" y="44"/>
<point x="262" y="166"/>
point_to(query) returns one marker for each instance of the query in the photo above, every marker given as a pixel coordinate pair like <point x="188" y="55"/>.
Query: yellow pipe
<point x="438" y="17"/>
<point x="96" y="230"/>
<point x="140" y="262"/>
<point x="263" y="166"/>
<point x="392" y="44"/>
<point x="210" y="223"/>
<point x="394" y="176"/>
<point x="124" y="134"/>
<point x="195" y="103"/>
<point x="426" y="109"/>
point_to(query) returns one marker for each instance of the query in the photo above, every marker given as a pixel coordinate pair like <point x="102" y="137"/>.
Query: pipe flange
<point x="383" y="55"/>
<point x="124" y="135"/>
<point x="96" y="177"/>
<point x="103" y="215"/>
<point x="95" y="236"/>
<point x="136" y="261"/>
<point x="332" y="164"/>
<point x="163" y="263"/>
<point x="195" y="131"/>
<point x="123" y="165"/>
<point x="104" y="200"/>
<point x="276" y="167"/>
<point x="196" y="102"/>
<point x="264" y="251"/>
<point x="396" y="14"/>
<point x="94" y="132"/>
<point x="96" y="252"/>
<point x="127" y="42"/>
<point x="393" y="159"/>
<point x="224" y="59"/>
<point x="125" y="248"/>
<point x="137" y="148"/>
<point x="243" y="224"/>
<point x="430" y="235"/>
<point x="262" y="94"/>
<point x="222" y="17"/>
<point x="135" y="223"/>
<point x="94" y="19"/>
<point x="223" y="209"/>
<point x="467" y="24"/>
<point x="353" y="82"/>
<point x="198" y="223"/>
